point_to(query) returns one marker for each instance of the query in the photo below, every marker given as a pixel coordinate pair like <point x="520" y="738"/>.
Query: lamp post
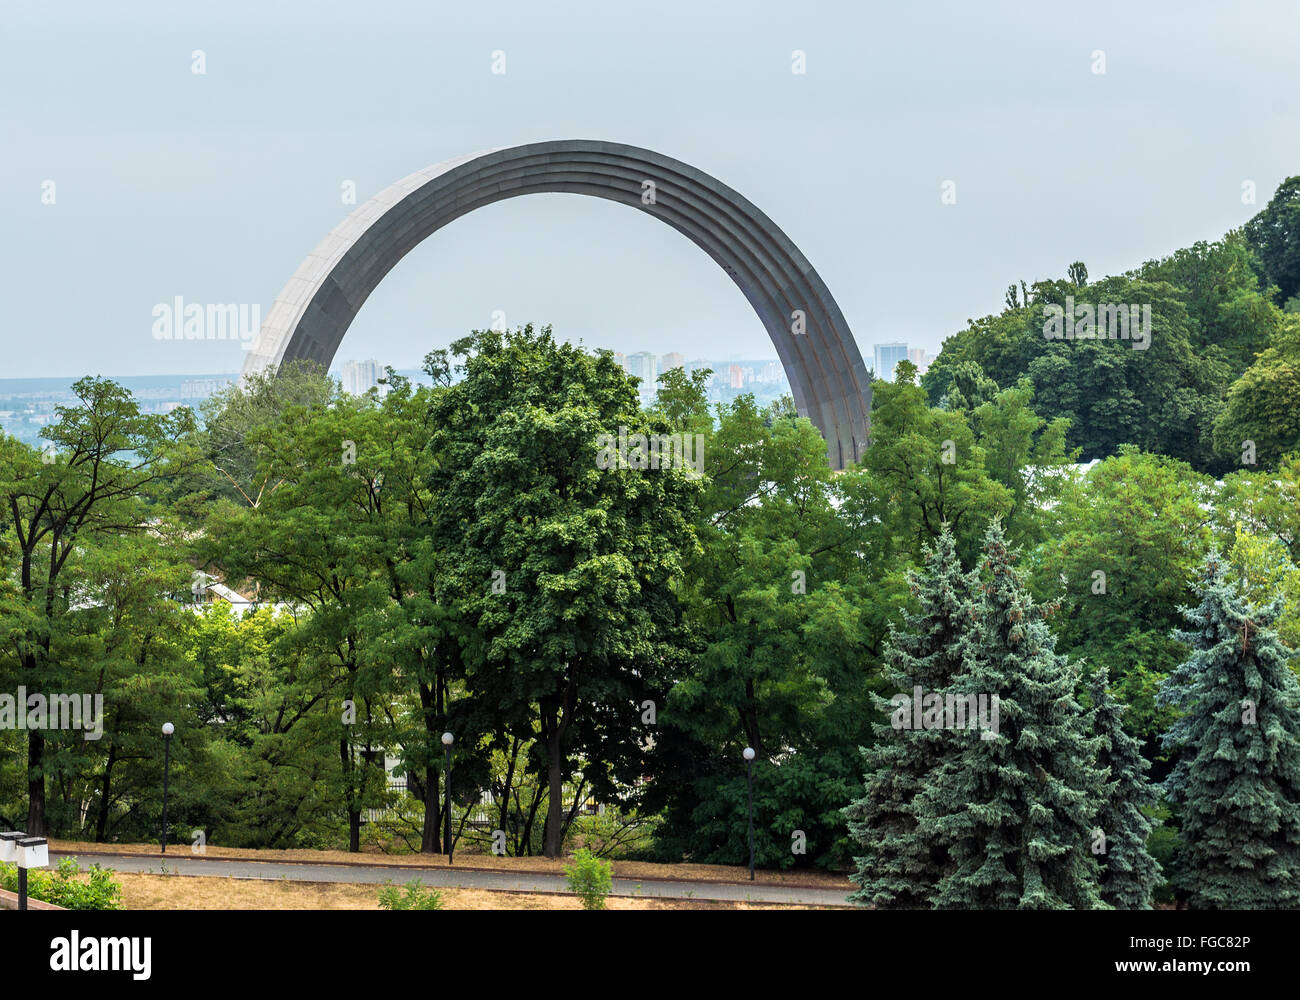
<point x="447" y="741"/>
<point x="167" y="729"/>
<point x="749" y="774"/>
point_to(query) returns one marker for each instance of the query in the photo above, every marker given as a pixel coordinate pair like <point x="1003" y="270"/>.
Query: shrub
<point x="63" y="887"/>
<point x="590" y="878"/>
<point x="413" y="897"/>
<point x="615" y="834"/>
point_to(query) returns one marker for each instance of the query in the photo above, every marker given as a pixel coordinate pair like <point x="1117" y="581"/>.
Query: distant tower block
<point x="828" y="378"/>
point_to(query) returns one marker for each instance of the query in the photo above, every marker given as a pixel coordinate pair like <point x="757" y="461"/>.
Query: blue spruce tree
<point x="1017" y="806"/>
<point x="899" y="868"/>
<point x="1129" y="873"/>
<point x="1236" y="779"/>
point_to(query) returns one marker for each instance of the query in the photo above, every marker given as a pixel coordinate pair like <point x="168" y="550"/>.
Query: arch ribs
<point x="828" y="378"/>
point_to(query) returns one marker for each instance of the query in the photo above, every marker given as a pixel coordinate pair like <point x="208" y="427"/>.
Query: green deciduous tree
<point x="314" y="540"/>
<point x="1228" y="304"/>
<point x="589" y="557"/>
<point x="274" y="757"/>
<point x="1164" y="398"/>
<point x="1261" y="419"/>
<point x="930" y="469"/>
<point x="1265" y="572"/>
<point x="1266" y="502"/>
<point x="94" y="481"/>
<point x="1274" y="234"/>
<point x="783" y="633"/>
<point x="1121" y="545"/>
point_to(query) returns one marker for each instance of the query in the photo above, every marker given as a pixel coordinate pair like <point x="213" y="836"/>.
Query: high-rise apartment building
<point x="360" y="376"/>
<point x="642" y="365"/>
<point x="670" y="361"/>
<point x="887" y="358"/>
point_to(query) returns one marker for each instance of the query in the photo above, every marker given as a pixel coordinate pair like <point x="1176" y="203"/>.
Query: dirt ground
<point x="622" y="869"/>
<point x="185" y="892"/>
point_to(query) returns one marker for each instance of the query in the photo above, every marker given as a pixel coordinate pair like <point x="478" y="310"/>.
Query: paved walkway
<point x="466" y="878"/>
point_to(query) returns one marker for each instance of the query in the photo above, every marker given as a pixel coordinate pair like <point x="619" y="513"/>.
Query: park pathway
<point x="463" y="878"/>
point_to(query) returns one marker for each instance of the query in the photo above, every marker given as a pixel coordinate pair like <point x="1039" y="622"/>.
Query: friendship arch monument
<point x="828" y="378"/>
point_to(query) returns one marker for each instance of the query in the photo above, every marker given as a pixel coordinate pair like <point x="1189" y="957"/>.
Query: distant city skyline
<point x="28" y="404"/>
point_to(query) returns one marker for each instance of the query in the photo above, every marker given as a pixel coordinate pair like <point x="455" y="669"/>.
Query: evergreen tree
<point x="1237" y="776"/>
<point x="1129" y="873"/>
<point x="1017" y="804"/>
<point x="900" y="868"/>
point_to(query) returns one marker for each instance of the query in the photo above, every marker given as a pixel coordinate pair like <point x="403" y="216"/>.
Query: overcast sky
<point x="213" y="187"/>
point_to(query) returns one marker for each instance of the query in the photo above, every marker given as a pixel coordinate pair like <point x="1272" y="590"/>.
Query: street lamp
<point x="447" y="741"/>
<point x="749" y="773"/>
<point x="167" y="729"/>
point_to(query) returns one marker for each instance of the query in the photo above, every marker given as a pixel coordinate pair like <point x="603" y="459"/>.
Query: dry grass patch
<point x="194" y="892"/>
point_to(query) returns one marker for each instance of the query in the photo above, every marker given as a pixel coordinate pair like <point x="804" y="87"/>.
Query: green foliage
<point x="234" y="437"/>
<point x="1163" y="846"/>
<point x="1016" y="807"/>
<point x="1266" y="501"/>
<point x="77" y="520"/>
<point x="1236" y="781"/>
<point x="929" y="469"/>
<point x="775" y="637"/>
<point x="900" y="867"/>
<point x="272" y="777"/>
<point x="412" y="897"/>
<point x="1129" y="874"/>
<point x="1164" y="398"/>
<point x="591" y="556"/>
<point x="1274" y="235"/>
<point x="1214" y="319"/>
<point x="1121" y="545"/>
<point x="1226" y="300"/>
<point x="1025" y="453"/>
<point x="1263" y="405"/>
<point x="65" y="887"/>
<point x="590" y="878"/>
<point x="614" y="833"/>
<point x="962" y="386"/>
<point x="767" y="602"/>
<point x="335" y="532"/>
<point x="1264" y="571"/>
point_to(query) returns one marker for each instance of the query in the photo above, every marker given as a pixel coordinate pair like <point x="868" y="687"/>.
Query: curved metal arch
<point x="828" y="378"/>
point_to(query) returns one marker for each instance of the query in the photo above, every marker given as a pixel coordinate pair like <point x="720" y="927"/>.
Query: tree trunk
<point x="354" y="814"/>
<point x="430" y="839"/>
<point x="557" y="714"/>
<point x="101" y="823"/>
<point x="433" y="701"/>
<point x="525" y="844"/>
<point x="509" y="783"/>
<point x="36" y="823"/>
<point x="555" y="802"/>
